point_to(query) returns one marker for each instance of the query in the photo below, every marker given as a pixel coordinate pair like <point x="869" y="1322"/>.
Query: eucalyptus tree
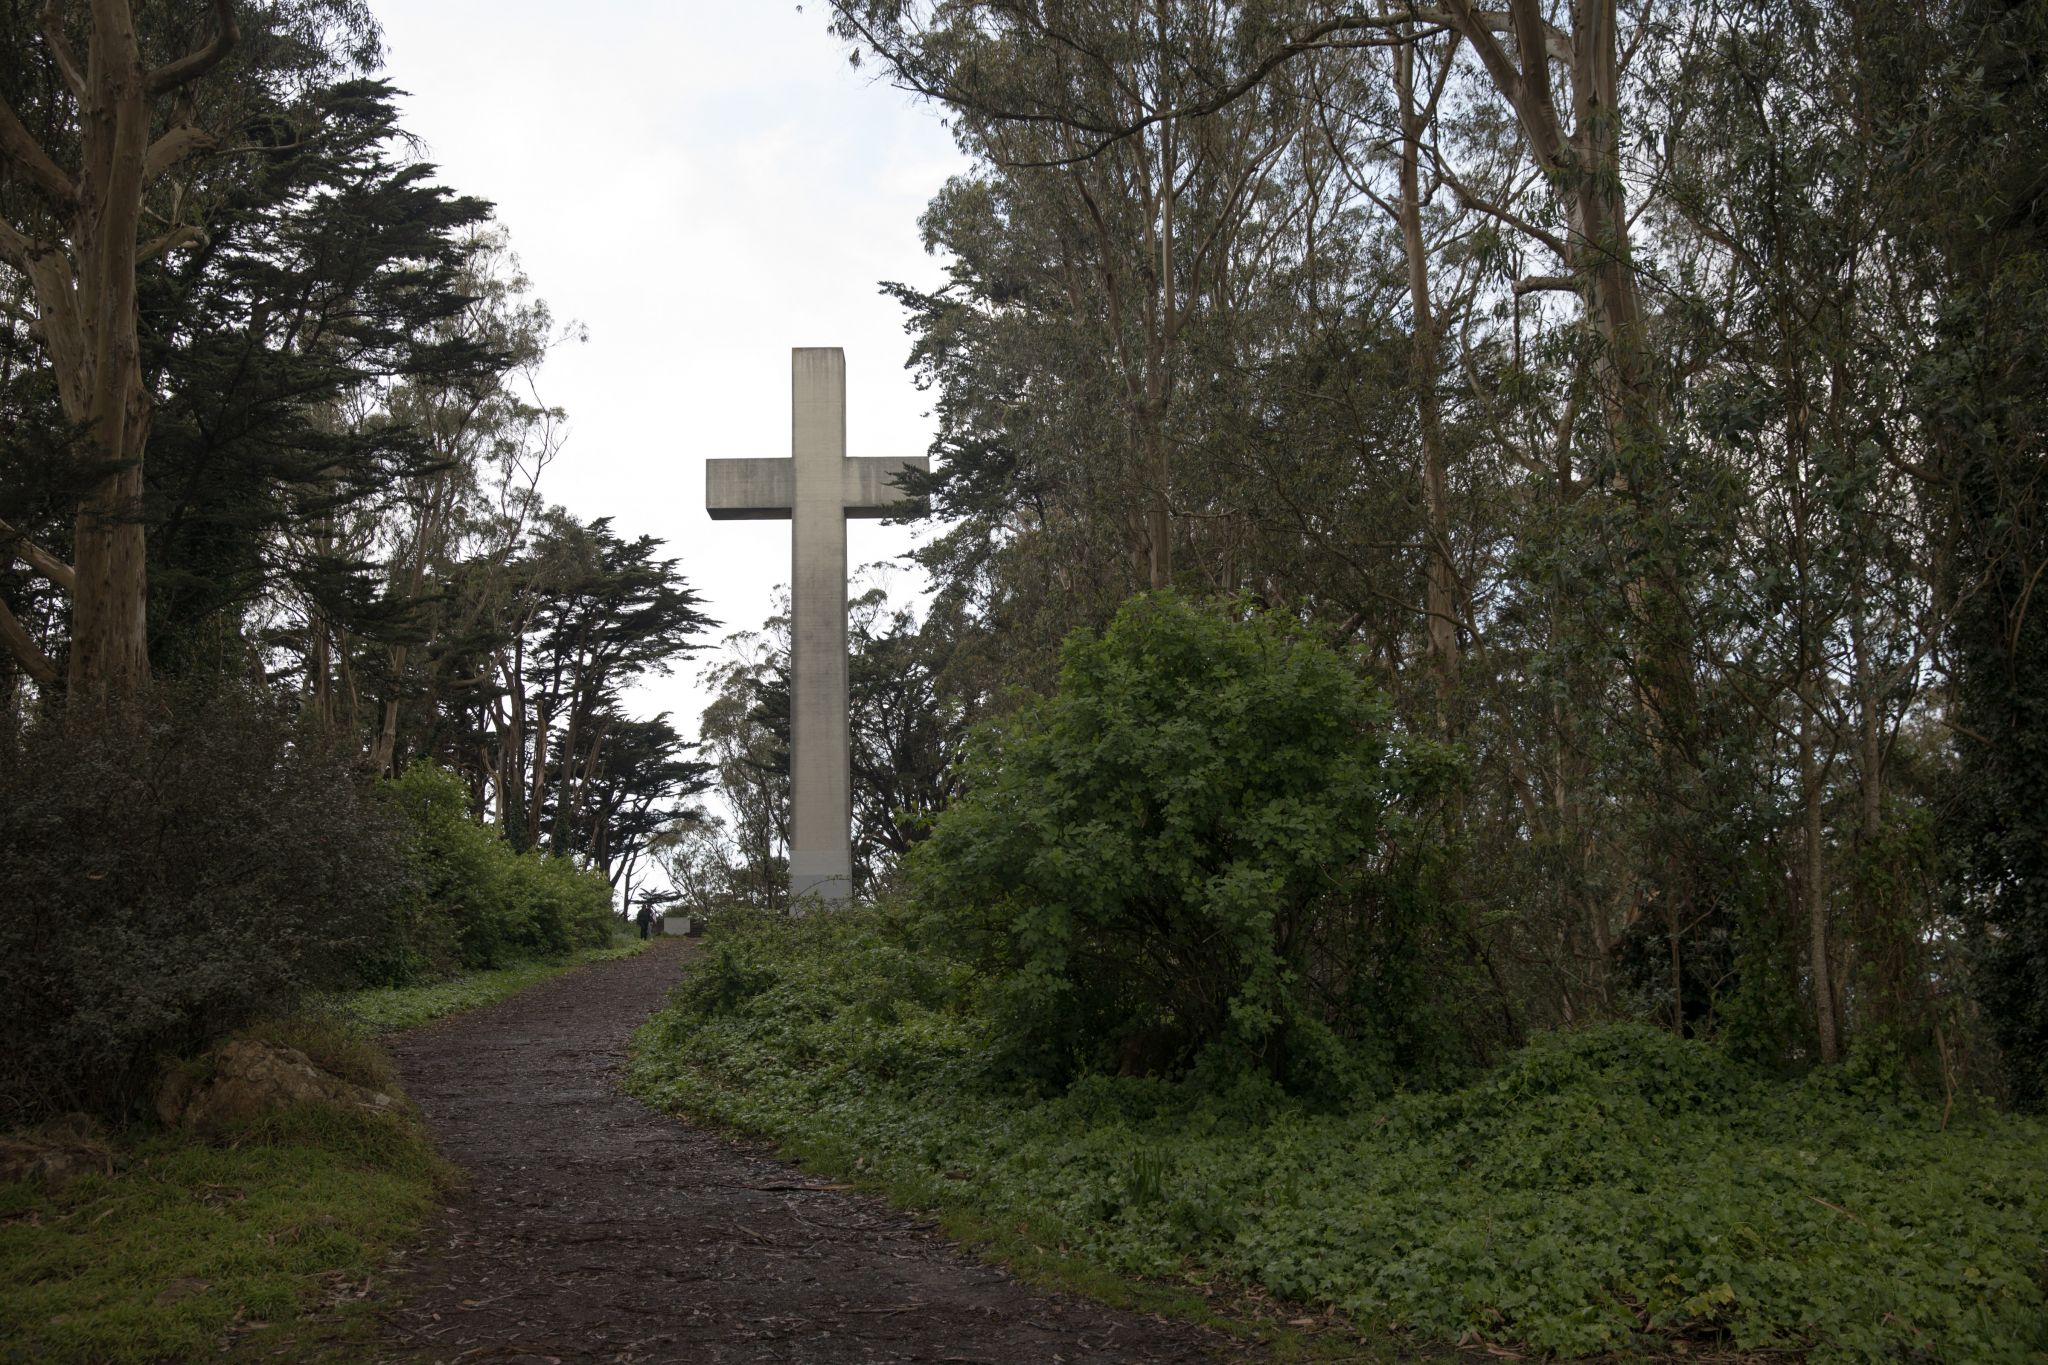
<point x="489" y="437"/>
<point x="1091" y="122"/>
<point x="107" y="122"/>
<point x="745" y="734"/>
<point x="914" y="688"/>
<point x="1631" y="369"/>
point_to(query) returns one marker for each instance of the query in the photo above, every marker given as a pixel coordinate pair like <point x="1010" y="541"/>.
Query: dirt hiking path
<point x="596" y="1229"/>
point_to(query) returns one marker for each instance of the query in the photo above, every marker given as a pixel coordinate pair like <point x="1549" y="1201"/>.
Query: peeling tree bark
<point x="83" y="283"/>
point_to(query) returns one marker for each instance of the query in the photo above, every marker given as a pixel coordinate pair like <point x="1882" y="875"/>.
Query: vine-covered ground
<point x="1613" y="1189"/>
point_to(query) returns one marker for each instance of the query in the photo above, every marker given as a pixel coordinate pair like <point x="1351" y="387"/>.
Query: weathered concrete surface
<point x="818" y="488"/>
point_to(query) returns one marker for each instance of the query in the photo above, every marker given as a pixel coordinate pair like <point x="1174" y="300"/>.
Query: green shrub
<point x="570" y="908"/>
<point x="479" y="904"/>
<point x="170" y="871"/>
<point x="1211" y="847"/>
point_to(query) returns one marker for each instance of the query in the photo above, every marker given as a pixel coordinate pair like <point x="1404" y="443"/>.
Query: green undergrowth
<point x="263" y="1244"/>
<point x="394" y="1008"/>
<point x="1615" y="1189"/>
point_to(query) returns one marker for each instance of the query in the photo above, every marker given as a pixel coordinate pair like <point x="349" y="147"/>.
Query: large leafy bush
<point x="1210" y="847"/>
<point x="478" y="903"/>
<point x="169" y="871"/>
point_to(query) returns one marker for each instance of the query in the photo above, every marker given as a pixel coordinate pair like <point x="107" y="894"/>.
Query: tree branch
<point x="1471" y="200"/>
<point x="17" y="248"/>
<point x="60" y="50"/>
<point x="173" y="147"/>
<point x="1554" y="41"/>
<point x="22" y="646"/>
<point x="937" y="85"/>
<point x="37" y="558"/>
<point x="1533" y="108"/>
<point x="18" y="148"/>
<point x="1531" y="284"/>
<point x="1316" y="39"/>
<point x="201" y="60"/>
<point x="185" y="234"/>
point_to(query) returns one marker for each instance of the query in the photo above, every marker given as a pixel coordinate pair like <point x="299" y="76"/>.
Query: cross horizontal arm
<point x="750" y="490"/>
<point x="870" y="485"/>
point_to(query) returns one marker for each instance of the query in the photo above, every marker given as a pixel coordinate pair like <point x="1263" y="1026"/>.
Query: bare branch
<point x="198" y="62"/>
<point x="184" y="235"/>
<point x="37" y="558"/>
<point x="1531" y="284"/>
<point x="1317" y="39"/>
<point x="17" y="248"/>
<point x="173" y="147"/>
<point x="1555" y="43"/>
<point x="1471" y="200"/>
<point x="1532" y="105"/>
<point x="20" y="150"/>
<point x="22" y="646"/>
<point x="1393" y="29"/>
<point x="60" y="50"/>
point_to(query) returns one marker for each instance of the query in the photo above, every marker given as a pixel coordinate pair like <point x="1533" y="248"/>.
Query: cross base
<point x="820" y="876"/>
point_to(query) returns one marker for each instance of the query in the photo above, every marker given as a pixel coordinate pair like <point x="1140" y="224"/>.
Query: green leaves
<point x="1616" y="1189"/>
<point x="1208" y="838"/>
<point x="479" y="902"/>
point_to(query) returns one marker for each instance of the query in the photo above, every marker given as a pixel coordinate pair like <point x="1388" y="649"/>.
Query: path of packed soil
<point x="596" y="1229"/>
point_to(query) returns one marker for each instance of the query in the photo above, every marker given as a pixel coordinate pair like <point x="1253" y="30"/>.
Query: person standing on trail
<point x="645" y="919"/>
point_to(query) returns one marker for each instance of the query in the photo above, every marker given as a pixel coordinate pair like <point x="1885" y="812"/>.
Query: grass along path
<point x="190" y="1246"/>
<point x="269" y="1243"/>
<point x="397" y="1008"/>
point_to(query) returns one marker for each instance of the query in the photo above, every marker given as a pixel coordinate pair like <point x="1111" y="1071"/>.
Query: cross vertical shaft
<point x="821" y="792"/>
<point x="817" y="489"/>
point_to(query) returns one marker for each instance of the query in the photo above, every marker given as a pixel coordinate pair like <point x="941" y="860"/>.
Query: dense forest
<point x="1649" y="398"/>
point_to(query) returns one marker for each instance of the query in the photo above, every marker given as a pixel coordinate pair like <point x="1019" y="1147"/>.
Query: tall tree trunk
<point x="540" y="772"/>
<point x="1158" y="517"/>
<point x="1814" y="882"/>
<point x="562" y="832"/>
<point x="85" y="293"/>
<point x="109" y="605"/>
<point x="1440" y="574"/>
<point x="109" y="624"/>
<point x="385" y="748"/>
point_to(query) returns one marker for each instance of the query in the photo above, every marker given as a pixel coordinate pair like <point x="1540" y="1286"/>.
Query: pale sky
<point x="705" y="184"/>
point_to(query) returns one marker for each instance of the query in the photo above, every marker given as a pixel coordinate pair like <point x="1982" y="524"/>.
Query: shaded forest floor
<point x="595" y="1229"/>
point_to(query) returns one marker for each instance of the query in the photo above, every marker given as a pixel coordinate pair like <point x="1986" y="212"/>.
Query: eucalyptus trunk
<point x="83" y="284"/>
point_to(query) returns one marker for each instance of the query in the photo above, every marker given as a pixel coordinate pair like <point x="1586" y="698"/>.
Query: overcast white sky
<point x="705" y="184"/>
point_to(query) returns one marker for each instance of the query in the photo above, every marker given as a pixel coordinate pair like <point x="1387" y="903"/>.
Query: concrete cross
<point x="819" y="488"/>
